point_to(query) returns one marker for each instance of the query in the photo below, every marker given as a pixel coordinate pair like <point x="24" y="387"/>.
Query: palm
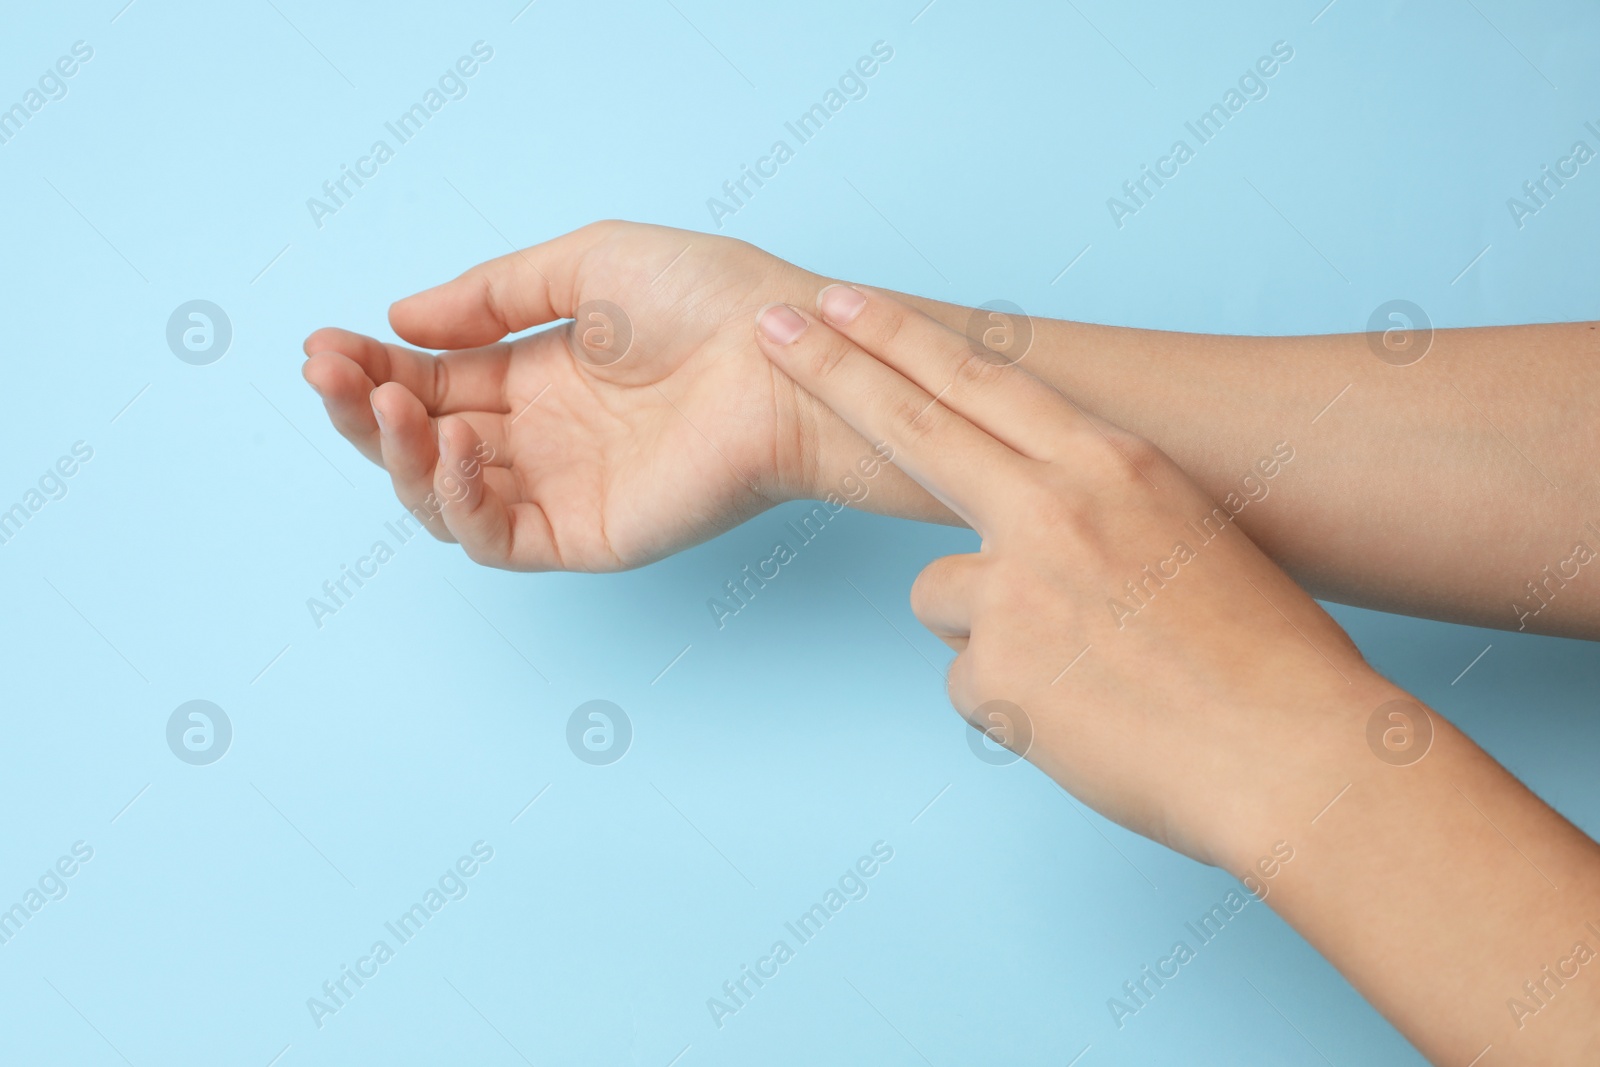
<point x="677" y="439"/>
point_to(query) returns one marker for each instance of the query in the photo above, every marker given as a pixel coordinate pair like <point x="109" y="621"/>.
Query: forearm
<point x="1458" y="903"/>
<point x="1460" y="487"/>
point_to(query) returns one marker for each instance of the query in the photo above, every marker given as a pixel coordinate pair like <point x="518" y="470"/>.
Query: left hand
<point x="1167" y="672"/>
<point x="652" y="425"/>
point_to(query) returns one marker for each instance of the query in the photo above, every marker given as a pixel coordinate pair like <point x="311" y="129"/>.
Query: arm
<point x="1402" y="495"/>
<point x="1217" y="709"/>
<point x="1459" y="487"/>
<point x="1457" y="902"/>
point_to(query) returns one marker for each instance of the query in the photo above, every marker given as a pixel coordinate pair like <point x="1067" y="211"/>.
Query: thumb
<point x="505" y="295"/>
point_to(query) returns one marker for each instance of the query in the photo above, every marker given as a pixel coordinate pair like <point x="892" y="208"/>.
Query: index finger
<point x="964" y="370"/>
<point x="954" y="460"/>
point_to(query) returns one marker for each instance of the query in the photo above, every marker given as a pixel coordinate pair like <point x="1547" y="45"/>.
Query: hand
<point x="1146" y="655"/>
<point x="602" y="446"/>
<point x="1129" y="640"/>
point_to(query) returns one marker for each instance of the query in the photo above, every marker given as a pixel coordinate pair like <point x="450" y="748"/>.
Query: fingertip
<point x="317" y="340"/>
<point x="446" y="316"/>
<point x="400" y="318"/>
<point x="328" y="372"/>
<point x="779" y="324"/>
<point x="457" y="438"/>
<point x="389" y="394"/>
<point x="840" y="305"/>
<point x="391" y="402"/>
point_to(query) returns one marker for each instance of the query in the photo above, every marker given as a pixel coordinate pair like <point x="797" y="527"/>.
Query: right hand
<point x="1208" y="696"/>
<point x="594" y="465"/>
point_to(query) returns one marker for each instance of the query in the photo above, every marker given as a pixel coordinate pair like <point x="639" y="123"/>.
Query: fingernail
<point x="376" y="414"/>
<point x="841" y="304"/>
<point x="780" y="323"/>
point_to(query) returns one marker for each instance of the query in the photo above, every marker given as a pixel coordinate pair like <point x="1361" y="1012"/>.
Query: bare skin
<point x="1440" y="489"/>
<point x="1229" y="712"/>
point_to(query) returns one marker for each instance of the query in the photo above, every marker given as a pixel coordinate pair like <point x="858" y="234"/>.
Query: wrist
<point x="1358" y="740"/>
<point x="824" y="459"/>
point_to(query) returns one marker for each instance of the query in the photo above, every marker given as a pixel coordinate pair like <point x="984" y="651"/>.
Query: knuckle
<point x="925" y="590"/>
<point x="828" y="358"/>
<point x="912" y="417"/>
<point x="1124" y="458"/>
<point x="495" y="298"/>
<point x="960" y="684"/>
<point x="441" y="379"/>
<point x="1060" y="516"/>
<point x="886" y="321"/>
<point x="1141" y="454"/>
<point x="976" y="677"/>
<point x="973" y="374"/>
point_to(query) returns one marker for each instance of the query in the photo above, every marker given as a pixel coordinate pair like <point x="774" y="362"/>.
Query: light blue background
<point x="376" y="750"/>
